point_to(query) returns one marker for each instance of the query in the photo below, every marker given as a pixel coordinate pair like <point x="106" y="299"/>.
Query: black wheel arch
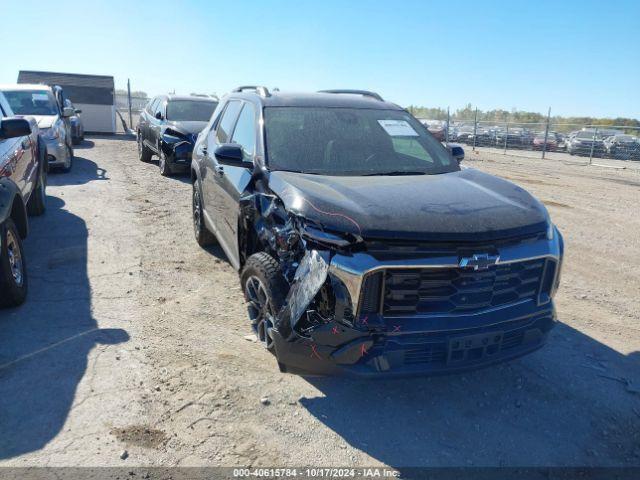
<point x="12" y="206"/>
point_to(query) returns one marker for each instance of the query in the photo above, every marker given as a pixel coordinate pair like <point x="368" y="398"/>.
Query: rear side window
<point x="150" y="105"/>
<point x="245" y="132"/>
<point x="227" y="121"/>
<point x="159" y="106"/>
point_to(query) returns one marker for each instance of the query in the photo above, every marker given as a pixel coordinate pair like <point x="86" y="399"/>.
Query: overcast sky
<point x="579" y="57"/>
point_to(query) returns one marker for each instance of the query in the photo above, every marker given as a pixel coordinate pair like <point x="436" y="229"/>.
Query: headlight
<point x="550" y="230"/>
<point x="50" y="133"/>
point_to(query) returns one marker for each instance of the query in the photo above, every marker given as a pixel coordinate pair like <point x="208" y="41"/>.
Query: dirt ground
<point x="135" y="339"/>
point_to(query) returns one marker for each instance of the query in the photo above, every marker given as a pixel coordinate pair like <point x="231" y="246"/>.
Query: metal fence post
<point x="546" y="134"/>
<point x="593" y="144"/>
<point x="475" y="129"/>
<point x="506" y="138"/>
<point x="129" y="101"/>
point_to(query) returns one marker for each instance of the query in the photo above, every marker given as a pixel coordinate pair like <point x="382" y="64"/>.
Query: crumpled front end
<point x="383" y="308"/>
<point x="178" y="147"/>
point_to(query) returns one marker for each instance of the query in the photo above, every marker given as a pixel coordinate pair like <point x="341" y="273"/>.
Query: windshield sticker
<point x="398" y="128"/>
<point x="39" y="97"/>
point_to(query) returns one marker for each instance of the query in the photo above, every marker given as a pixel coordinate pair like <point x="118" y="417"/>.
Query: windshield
<point x="352" y="142"/>
<point x="31" y="102"/>
<point x="190" y="110"/>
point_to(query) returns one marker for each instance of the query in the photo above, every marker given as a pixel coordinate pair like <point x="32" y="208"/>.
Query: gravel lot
<point x="133" y="338"/>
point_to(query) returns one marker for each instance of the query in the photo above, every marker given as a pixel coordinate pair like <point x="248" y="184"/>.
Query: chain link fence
<point x="570" y="142"/>
<point x="128" y="112"/>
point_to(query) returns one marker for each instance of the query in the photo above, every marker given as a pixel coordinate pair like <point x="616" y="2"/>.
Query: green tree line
<point x="516" y="116"/>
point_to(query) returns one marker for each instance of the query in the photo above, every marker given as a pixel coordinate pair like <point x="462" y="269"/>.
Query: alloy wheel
<point x="163" y="160"/>
<point x="197" y="212"/>
<point x="259" y="310"/>
<point x="15" y="258"/>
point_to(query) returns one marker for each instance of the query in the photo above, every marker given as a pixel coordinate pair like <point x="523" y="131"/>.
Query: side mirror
<point x="158" y="115"/>
<point x="14" y="127"/>
<point x="68" y="112"/>
<point x="78" y="110"/>
<point x="231" y="154"/>
<point x="456" y="152"/>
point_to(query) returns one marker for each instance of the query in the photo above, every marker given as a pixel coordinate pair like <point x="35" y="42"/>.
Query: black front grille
<point x="456" y="290"/>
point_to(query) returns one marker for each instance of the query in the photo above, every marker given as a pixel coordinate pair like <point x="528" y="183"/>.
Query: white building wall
<point x="98" y="118"/>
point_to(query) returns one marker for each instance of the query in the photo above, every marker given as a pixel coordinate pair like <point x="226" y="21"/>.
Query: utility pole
<point x="129" y="102"/>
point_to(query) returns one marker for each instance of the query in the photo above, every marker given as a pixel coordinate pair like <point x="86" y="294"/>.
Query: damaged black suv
<point x="363" y="247"/>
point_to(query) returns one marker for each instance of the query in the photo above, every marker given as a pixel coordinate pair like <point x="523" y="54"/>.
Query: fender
<point x="12" y="205"/>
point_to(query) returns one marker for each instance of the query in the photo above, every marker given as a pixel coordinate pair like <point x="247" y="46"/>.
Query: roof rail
<point x="364" y="93"/>
<point x="262" y="91"/>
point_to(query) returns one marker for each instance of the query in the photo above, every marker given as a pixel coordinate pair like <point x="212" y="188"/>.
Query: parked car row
<point x="23" y="183"/>
<point x="53" y="114"/>
<point x="362" y="246"/>
<point x="587" y="142"/>
<point x="38" y="129"/>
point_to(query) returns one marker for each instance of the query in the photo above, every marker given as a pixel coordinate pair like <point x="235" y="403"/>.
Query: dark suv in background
<point x="23" y="182"/>
<point x="363" y="247"/>
<point x="168" y="127"/>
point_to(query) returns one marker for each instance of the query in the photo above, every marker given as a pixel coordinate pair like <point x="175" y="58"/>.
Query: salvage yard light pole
<point x="546" y="134"/>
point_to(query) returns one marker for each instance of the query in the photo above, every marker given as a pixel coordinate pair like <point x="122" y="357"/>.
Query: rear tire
<point x="203" y="236"/>
<point x="37" y="203"/>
<point x="265" y="291"/>
<point x="13" y="272"/>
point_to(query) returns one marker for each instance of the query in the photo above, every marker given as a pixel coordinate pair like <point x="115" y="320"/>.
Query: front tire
<point x="67" y="167"/>
<point x="203" y="236"/>
<point x="13" y="273"/>
<point x="144" y="154"/>
<point x="265" y="292"/>
<point x="163" y="163"/>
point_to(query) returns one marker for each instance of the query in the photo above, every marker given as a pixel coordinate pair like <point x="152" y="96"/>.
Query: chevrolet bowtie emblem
<point x="480" y="261"/>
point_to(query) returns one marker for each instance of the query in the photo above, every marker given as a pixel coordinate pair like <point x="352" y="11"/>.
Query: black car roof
<point x="335" y="100"/>
<point x="171" y="97"/>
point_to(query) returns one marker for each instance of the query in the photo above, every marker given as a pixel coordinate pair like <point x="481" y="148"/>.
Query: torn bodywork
<point x="376" y="307"/>
<point x="177" y="145"/>
<point x="318" y="313"/>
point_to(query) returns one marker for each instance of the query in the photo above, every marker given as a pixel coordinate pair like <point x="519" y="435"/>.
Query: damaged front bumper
<point x="377" y="334"/>
<point x="178" y="149"/>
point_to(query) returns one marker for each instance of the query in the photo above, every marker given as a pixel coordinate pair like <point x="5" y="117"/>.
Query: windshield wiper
<point x="393" y="173"/>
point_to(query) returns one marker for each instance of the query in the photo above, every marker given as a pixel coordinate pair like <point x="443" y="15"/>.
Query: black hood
<point x="188" y="127"/>
<point x="467" y="205"/>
